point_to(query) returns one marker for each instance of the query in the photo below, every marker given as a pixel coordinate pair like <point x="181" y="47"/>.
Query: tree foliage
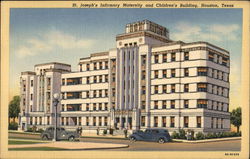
<point x="236" y="118"/>
<point x="14" y="107"/>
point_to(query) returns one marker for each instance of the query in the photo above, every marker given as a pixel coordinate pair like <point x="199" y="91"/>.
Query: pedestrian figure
<point x="125" y="132"/>
<point x="97" y="131"/>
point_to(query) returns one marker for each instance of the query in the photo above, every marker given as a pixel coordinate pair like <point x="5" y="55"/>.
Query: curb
<point x="105" y="137"/>
<point x="207" y="140"/>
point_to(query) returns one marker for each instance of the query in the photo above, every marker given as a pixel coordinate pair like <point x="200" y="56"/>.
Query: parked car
<point x="62" y="134"/>
<point x="151" y="134"/>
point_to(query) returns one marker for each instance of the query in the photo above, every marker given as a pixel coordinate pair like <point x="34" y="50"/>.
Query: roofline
<point x="104" y="53"/>
<point x="28" y="73"/>
<point x="51" y="63"/>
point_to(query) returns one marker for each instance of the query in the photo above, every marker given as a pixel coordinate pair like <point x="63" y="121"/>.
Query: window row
<point x="85" y="107"/>
<point x="171" y="58"/>
<point x="87" y="80"/>
<point x="94" y="66"/>
<point x="86" y="94"/>
<point x="216" y="58"/>
<point x="85" y="121"/>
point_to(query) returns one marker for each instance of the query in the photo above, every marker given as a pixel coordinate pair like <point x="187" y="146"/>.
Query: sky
<point x="42" y="35"/>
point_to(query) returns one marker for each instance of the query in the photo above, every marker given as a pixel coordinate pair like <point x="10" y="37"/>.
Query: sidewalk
<point x="208" y="140"/>
<point x="107" y="136"/>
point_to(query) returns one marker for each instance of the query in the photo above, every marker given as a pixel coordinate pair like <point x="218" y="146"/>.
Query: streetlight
<point x="55" y="103"/>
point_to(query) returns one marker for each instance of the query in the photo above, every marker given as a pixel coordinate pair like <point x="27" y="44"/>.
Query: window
<point x="186" y="121"/>
<point x="100" y="78"/>
<point x="164" y="104"/>
<point x="63" y="81"/>
<point x="155" y="104"/>
<point x="186" y="72"/>
<point x="87" y="107"/>
<point x="210" y="56"/>
<point x="94" y="121"/>
<point x="172" y="122"/>
<point x="222" y="124"/>
<point x="105" y="106"/>
<point x="172" y="72"/>
<point x="202" y="103"/>
<point x="87" y="80"/>
<point x="71" y="81"/>
<point x="164" y="73"/>
<point x="202" y="87"/>
<point x="113" y="92"/>
<point x="87" y="67"/>
<point x="224" y="61"/>
<point x="164" y="123"/>
<point x="95" y="79"/>
<point x="186" y="103"/>
<point x="156" y="58"/>
<point x="94" y="93"/>
<point x="100" y="106"/>
<point x="173" y="57"/>
<point x="80" y="121"/>
<point x="156" y="89"/>
<point x="100" y="121"/>
<point x="172" y="104"/>
<point x="100" y="65"/>
<point x="80" y="66"/>
<point x="164" y="58"/>
<point x="74" y="95"/>
<point x="202" y="71"/>
<point x="143" y="121"/>
<point x="143" y="75"/>
<point x="106" y="93"/>
<point x="155" y="121"/>
<point x="172" y="88"/>
<point x="31" y="83"/>
<point x="31" y="96"/>
<point x="143" y="104"/>
<point x="100" y="93"/>
<point x="164" y="88"/>
<point x="156" y="74"/>
<point x="48" y="120"/>
<point x="73" y="107"/>
<point x="186" y="55"/>
<point x="106" y="65"/>
<point x="106" y="78"/>
<point x="143" y="59"/>
<point x="62" y="120"/>
<point x="87" y="121"/>
<point x="95" y="66"/>
<point x="105" y="121"/>
<point x="198" y="120"/>
<point x="143" y="88"/>
<point x="217" y="123"/>
<point x="87" y="94"/>
<point x="186" y="87"/>
<point x="94" y="106"/>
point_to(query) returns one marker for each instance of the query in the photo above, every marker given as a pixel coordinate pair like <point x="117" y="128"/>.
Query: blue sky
<point x="65" y="35"/>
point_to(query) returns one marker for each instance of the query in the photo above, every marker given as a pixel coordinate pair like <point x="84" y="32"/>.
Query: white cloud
<point x="52" y="40"/>
<point x="189" y="32"/>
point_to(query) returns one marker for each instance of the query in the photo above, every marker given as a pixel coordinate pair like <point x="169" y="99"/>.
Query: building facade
<point x="147" y="81"/>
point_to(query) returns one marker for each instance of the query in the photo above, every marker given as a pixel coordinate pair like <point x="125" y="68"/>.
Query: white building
<point x="147" y="81"/>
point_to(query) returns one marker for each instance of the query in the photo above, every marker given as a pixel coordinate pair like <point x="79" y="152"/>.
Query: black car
<point x="151" y="134"/>
<point x="62" y="134"/>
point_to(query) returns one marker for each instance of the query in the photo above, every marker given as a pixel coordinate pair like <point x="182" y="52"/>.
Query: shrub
<point x="175" y="135"/>
<point x="200" y="136"/>
<point x="13" y="126"/>
<point x="105" y="131"/>
<point x="182" y="134"/>
<point x="40" y="130"/>
<point x="29" y="129"/>
<point x="209" y="136"/>
<point x="34" y="128"/>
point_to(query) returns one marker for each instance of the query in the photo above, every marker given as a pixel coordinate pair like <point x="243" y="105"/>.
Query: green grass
<point x="37" y="149"/>
<point x="26" y="138"/>
<point x="15" y="142"/>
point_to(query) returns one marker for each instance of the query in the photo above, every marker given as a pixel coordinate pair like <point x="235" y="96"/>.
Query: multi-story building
<point x="37" y="89"/>
<point x="149" y="80"/>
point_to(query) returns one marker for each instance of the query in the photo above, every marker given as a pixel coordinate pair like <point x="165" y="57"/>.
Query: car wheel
<point x="45" y="137"/>
<point x="161" y="141"/>
<point x="71" y="138"/>
<point x="132" y="139"/>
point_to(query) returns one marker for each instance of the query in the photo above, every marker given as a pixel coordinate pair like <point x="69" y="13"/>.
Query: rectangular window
<point x="94" y="121"/>
<point x="156" y="73"/>
<point x="164" y="121"/>
<point x="48" y="120"/>
<point x="94" y="93"/>
<point x="71" y="81"/>
<point x="94" y="106"/>
<point x="164" y="88"/>
<point x="100" y="121"/>
<point x="63" y="81"/>
<point x="74" y="95"/>
<point x="202" y="103"/>
<point x="186" y="103"/>
<point x="172" y="104"/>
<point x="143" y="120"/>
<point x="164" y="58"/>
<point x="198" y="120"/>
<point x="100" y="106"/>
<point x="172" y="88"/>
<point x="156" y="89"/>
<point x="106" y="78"/>
<point x="203" y="71"/>
<point x="143" y="89"/>
<point x="202" y="87"/>
<point x="186" y="87"/>
<point x="31" y="96"/>
<point x="172" y="72"/>
<point x="31" y="83"/>
<point x="106" y="65"/>
<point x="173" y="57"/>
<point x="100" y="65"/>
<point x="186" y="72"/>
<point x="106" y="93"/>
<point x="224" y="61"/>
<point x="155" y="104"/>
<point x="100" y="93"/>
<point x="155" y="121"/>
<point x="172" y="121"/>
<point x="62" y="120"/>
<point x="106" y="106"/>
<point x="95" y="79"/>
<point x="143" y="59"/>
<point x="217" y="123"/>
<point x="143" y="104"/>
<point x="100" y="78"/>
<point x="80" y="66"/>
<point x="186" y="121"/>
<point x="113" y="92"/>
<point x="87" y="107"/>
<point x="87" y="80"/>
<point x="73" y="107"/>
<point x="87" y="121"/>
<point x="87" y="67"/>
<point x="186" y="55"/>
<point x="143" y="75"/>
<point x="95" y="66"/>
<point x="164" y="73"/>
<point x="156" y="58"/>
<point x="164" y="104"/>
<point x="105" y="121"/>
<point x="222" y="124"/>
<point x="210" y="56"/>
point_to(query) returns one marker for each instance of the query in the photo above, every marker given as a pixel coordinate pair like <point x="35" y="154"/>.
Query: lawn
<point x="16" y="142"/>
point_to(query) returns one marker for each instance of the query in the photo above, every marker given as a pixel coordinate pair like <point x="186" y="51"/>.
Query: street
<point x="232" y="145"/>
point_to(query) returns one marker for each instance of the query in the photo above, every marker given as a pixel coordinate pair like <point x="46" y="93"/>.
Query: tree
<point x="14" y="107"/>
<point x="236" y="118"/>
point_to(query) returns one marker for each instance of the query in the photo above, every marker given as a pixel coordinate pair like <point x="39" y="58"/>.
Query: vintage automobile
<point x="151" y="134"/>
<point x="62" y="134"/>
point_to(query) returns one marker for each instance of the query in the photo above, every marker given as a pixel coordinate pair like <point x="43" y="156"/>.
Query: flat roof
<point x="52" y="63"/>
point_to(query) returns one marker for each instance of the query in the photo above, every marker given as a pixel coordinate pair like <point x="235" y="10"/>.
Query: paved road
<point x="233" y="145"/>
